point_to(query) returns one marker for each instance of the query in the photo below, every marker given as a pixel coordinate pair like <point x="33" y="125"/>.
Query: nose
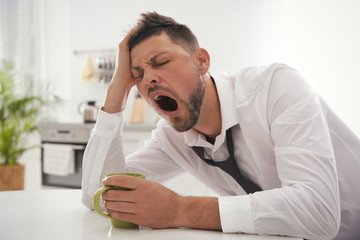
<point x="150" y="77"/>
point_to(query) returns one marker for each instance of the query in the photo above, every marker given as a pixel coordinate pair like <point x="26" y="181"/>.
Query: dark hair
<point x="153" y="23"/>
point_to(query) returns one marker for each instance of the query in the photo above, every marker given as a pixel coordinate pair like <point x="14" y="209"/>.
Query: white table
<point x="59" y="214"/>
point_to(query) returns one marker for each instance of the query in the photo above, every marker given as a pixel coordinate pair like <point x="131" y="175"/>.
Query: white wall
<point x="58" y="52"/>
<point x="321" y="39"/>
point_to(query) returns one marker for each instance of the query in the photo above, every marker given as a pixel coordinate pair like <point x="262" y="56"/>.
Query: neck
<point x="209" y="122"/>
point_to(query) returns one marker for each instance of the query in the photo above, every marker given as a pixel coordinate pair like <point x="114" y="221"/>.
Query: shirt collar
<point x="225" y="90"/>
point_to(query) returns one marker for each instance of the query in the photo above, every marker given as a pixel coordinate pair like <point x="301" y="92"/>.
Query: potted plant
<point x="20" y="114"/>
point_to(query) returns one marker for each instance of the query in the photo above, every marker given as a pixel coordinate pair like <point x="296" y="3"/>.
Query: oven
<point x="62" y="151"/>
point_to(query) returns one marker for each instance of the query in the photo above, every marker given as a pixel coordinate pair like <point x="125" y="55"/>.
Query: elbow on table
<point x="325" y="233"/>
<point x="334" y="225"/>
<point x="331" y="228"/>
<point x="316" y="215"/>
<point x="328" y="221"/>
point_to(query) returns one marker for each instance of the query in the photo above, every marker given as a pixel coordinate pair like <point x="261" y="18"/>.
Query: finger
<point x="124" y="207"/>
<point x="118" y="195"/>
<point x="124" y="216"/>
<point x="131" y="33"/>
<point x="123" y="55"/>
<point x="125" y="181"/>
<point x="124" y="44"/>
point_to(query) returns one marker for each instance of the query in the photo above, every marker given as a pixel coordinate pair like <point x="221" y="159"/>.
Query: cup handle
<point x="97" y="200"/>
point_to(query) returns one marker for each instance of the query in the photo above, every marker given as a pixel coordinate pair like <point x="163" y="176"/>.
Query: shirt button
<point x="98" y="161"/>
<point x="111" y="127"/>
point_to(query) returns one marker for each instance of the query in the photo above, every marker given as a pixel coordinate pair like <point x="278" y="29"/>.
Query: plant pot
<point x="12" y="177"/>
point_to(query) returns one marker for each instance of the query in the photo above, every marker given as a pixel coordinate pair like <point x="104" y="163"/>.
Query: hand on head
<point x="122" y="80"/>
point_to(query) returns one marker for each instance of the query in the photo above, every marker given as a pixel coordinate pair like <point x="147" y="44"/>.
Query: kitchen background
<point x="53" y="40"/>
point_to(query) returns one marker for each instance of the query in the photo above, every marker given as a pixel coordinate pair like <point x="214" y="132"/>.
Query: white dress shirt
<point x="286" y="140"/>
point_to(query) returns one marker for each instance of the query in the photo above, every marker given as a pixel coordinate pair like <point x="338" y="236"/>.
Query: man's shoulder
<point x="255" y="73"/>
<point x="250" y="80"/>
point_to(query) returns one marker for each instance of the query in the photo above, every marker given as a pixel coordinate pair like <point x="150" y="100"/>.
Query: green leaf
<point x="19" y="113"/>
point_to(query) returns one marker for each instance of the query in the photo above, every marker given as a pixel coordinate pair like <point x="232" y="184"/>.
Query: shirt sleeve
<point x="308" y="202"/>
<point x="103" y="154"/>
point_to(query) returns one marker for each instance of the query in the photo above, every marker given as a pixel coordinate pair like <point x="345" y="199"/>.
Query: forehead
<point x="152" y="46"/>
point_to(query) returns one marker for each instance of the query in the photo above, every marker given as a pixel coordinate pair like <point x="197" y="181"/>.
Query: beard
<point x="192" y="105"/>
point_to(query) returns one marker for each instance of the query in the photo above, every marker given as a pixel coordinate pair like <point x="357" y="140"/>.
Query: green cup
<point x="115" y="222"/>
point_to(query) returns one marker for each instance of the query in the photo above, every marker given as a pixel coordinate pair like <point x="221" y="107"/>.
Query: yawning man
<point x="280" y="160"/>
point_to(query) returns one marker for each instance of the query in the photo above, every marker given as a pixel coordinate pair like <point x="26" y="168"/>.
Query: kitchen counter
<point x="59" y="214"/>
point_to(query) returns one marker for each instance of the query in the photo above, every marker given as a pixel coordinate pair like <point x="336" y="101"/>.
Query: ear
<point x="202" y="59"/>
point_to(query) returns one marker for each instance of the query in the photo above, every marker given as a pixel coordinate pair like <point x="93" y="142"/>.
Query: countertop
<point x="59" y="214"/>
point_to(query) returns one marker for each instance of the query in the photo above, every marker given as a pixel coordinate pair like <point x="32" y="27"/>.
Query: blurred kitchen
<point x="71" y="45"/>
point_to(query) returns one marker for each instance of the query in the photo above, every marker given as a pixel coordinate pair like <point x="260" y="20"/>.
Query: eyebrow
<point x="151" y="60"/>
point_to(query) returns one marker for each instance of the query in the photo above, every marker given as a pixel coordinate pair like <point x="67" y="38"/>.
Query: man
<point x="279" y="158"/>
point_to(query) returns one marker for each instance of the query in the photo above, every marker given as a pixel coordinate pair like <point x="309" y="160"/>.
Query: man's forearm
<point x="116" y="97"/>
<point x="200" y="213"/>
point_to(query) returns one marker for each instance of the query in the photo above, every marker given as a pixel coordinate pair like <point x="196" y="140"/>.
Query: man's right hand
<point x="122" y="80"/>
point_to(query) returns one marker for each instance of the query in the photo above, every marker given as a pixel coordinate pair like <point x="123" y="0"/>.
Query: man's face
<point x="168" y="78"/>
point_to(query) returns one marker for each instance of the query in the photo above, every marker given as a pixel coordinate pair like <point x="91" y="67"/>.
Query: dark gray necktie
<point x="229" y="165"/>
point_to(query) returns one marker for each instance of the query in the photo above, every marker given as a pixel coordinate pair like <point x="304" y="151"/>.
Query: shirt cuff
<point x="235" y="214"/>
<point x="108" y="122"/>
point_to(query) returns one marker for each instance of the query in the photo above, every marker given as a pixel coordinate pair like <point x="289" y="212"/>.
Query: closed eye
<point x="138" y="77"/>
<point x="161" y="63"/>
<point x="137" y="73"/>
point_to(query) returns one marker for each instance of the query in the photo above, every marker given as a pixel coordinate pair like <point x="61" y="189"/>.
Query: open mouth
<point x="166" y="103"/>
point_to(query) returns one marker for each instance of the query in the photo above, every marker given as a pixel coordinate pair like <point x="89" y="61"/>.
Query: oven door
<point x="50" y="174"/>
